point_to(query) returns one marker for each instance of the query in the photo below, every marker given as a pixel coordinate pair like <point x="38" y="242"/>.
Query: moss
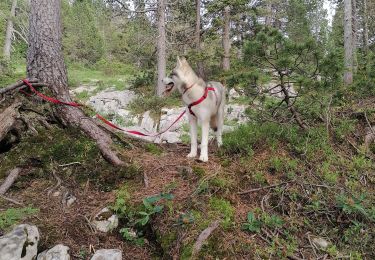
<point x="199" y="171"/>
<point x="186" y="252"/>
<point x="223" y="209"/>
<point x="154" y="149"/>
<point x="166" y="240"/>
<point x="61" y="146"/>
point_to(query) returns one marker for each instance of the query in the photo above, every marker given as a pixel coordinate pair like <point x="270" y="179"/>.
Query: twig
<point x="263" y="188"/>
<point x="57" y="184"/>
<point x="69" y="164"/>
<point x="11" y="200"/>
<point x="312" y="245"/>
<point x="145" y="179"/>
<point x="203" y="237"/>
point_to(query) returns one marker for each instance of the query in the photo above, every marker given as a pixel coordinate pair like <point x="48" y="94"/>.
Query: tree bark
<point x="198" y="37"/>
<point x="348" y="42"/>
<point x="226" y="39"/>
<point x="45" y="61"/>
<point x="11" y="178"/>
<point x="268" y="20"/>
<point x="354" y="34"/>
<point x="9" y="31"/>
<point x="365" y="31"/>
<point x="161" y="47"/>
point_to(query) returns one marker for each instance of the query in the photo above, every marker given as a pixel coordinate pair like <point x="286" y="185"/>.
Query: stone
<point x="105" y="221"/>
<point x="107" y="254"/>
<point x="236" y="113"/>
<point x="58" y="252"/>
<point x="20" y="244"/>
<point x="233" y="94"/>
<point x="109" y="102"/>
<point x="320" y="243"/>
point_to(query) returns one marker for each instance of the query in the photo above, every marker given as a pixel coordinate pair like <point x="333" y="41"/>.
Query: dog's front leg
<point x="204" y="144"/>
<point x="193" y="136"/>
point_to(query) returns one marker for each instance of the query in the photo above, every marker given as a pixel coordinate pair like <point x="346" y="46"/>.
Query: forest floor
<point x="277" y="192"/>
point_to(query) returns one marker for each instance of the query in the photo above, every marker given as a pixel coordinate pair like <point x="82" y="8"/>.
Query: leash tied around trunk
<point x="74" y="104"/>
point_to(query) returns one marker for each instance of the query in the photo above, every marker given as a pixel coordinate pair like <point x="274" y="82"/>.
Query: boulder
<point x="107" y="254"/>
<point x="20" y="244"/>
<point x="58" y="252"/>
<point x="109" y="102"/>
<point x="105" y="221"/>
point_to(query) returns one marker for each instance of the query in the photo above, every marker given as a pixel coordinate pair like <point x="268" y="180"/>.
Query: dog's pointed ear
<point x="179" y="61"/>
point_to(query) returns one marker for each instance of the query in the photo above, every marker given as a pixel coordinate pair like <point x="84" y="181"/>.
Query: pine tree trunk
<point x="198" y="37"/>
<point x="161" y="47"/>
<point x="354" y="34"/>
<point x="226" y="39"/>
<point x="45" y="61"/>
<point x="365" y="31"/>
<point x="268" y="20"/>
<point x="348" y="42"/>
<point x="9" y="31"/>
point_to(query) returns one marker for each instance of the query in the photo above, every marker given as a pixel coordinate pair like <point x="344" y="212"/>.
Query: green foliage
<point x="223" y="209"/>
<point x="12" y="216"/>
<point x="254" y="224"/>
<point x="154" y="149"/>
<point x="82" y="41"/>
<point x="354" y="206"/>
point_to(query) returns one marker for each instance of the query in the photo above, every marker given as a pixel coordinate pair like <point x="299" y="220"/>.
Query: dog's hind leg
<point x="193" y="136"/>
<point x="220" y="123"/>
<point x="204" y="144"/>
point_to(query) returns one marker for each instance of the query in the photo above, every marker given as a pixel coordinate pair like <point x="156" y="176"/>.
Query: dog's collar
<point x="201" y="99"/>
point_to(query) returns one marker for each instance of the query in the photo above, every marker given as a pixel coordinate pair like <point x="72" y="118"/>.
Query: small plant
<point x="130" y="235"/>
<point x="254" y="224"/>
<point x="154" y="149"/>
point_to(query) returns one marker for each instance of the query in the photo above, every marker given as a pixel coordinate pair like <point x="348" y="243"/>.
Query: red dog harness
<point x="201" y="99"/>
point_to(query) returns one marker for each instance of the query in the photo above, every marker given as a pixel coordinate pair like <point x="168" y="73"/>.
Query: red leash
<point x="49" y="99"/>
<point x="73" y="104"/>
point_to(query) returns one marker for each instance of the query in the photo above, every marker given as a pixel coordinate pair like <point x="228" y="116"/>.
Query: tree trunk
<point x="161" y="47"/>
<point x="9" y="31"/>
<point x="354" y="34"/>
<point x="226" y="39"/>
<point x="365" y="31"/>
<point x="8" y="118"/>
<point x="348" y="42"/>
<point x="268" y="20"/>
<point x="198" y="38"/>
<point x="45" y="61"/>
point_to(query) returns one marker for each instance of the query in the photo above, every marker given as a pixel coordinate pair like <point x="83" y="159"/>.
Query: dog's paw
<point x="203" y="158"/>
<point x="191" y="155"/>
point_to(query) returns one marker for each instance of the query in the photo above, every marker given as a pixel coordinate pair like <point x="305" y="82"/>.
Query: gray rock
<point x="233" y="94"/>
<point x="20" y="244"/>
<point x="320" y="243"/>
<point x="105" y="221"/>
<point x="111" y="101"/>
<point x="236" y="113"/>
<point x="107" y="254"/>
<point x="58" y="252"/>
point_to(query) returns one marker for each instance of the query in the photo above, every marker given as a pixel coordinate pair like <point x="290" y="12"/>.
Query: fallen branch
<point x="263" y="188"/>
<point x="203" y="237"/>
<point x="16" y="85"/>
<point x="11" y="200"/>
<point x="13" y="175"/>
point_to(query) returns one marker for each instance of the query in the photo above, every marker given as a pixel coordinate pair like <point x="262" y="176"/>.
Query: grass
<point x="83" y="75"/>
<point x="12" y="216"/>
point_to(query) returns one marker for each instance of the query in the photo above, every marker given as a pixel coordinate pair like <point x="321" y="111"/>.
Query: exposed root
<point x="12" y="177"/>
<point x="203" y="237"/>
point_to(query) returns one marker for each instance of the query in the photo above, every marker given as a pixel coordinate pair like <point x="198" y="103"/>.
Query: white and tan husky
<point x="208" y="101"/>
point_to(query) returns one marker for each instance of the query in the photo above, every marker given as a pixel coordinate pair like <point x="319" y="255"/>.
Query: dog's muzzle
<point x="169" y="85"/>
